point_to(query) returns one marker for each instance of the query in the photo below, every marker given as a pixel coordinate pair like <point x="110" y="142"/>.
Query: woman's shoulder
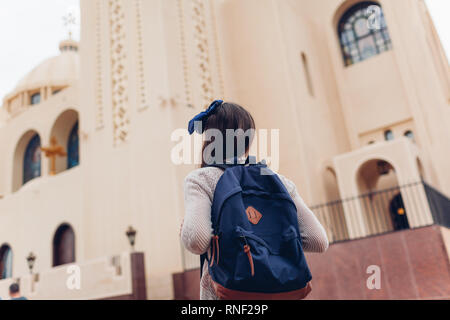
<point x="204" y="173"/>
<point x="289" y="185"/>
<point x="206" y="177"/>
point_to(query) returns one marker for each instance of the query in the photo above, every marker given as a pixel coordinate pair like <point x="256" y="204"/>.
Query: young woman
<point x="199" y="188"/>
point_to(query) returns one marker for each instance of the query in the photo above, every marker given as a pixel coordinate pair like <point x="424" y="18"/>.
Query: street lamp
<point x="30" y="260"/>
<point x="131" y="234"/>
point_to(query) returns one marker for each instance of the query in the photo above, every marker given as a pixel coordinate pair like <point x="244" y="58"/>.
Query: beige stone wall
<point x="264" y="72"/>
<point x="31" y="214"/>
<point x="148" y="66"/>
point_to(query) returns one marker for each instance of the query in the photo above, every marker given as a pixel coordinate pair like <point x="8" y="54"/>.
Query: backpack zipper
<point x="249" y="254"/>
<point x="215" y="244"/>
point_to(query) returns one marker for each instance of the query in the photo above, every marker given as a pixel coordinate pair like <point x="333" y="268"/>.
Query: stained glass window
<point x="73" y="158"/>
<point x="5" y="262"/>
<point x="35" y="98"/>
<point x="32" y="160"/>
<point x="363" y="32"/>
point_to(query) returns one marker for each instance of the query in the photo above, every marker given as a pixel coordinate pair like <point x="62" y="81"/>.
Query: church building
<point x="91" y="202"/>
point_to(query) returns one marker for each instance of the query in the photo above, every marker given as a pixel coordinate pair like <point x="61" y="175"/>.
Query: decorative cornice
<point x="119" y="72"/>
<point x="140" y="69"/>
<point x="99" y="115"/>
<point x="202" y="49"/>
<point x="182" y="27"/>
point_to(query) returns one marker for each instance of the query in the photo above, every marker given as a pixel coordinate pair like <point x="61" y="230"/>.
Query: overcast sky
<point x="30" y="31"/>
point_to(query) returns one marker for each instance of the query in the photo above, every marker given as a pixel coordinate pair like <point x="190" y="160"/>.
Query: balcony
<point x="384" y="211"/>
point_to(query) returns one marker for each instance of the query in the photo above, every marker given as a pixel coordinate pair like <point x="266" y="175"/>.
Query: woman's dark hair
<point x="230" y="116"/>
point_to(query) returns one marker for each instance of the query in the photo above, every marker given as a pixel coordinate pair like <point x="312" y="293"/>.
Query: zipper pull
<point x="250" y="258"/>
<point x="215" y="244"/>
<point x="216" y="238"/>
<point x="249" y="254"/>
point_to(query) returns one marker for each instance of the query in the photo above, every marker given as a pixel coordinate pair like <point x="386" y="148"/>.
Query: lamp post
<point x="30" y="260"/>
<point x="131" y="234"/>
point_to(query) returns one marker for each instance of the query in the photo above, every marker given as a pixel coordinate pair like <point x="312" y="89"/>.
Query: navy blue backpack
<point x="256" y="246"/>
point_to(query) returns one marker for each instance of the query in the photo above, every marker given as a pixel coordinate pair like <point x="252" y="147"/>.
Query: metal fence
<point x="383" y="210"/>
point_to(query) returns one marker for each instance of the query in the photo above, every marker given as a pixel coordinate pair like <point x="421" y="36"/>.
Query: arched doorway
<point x="64" y="245"/>
<point x="5" y="262"/>
<point x="380" y="197"/>
<point x="398" y="213"/>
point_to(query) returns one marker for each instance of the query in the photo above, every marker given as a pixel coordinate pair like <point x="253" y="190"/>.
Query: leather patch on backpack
<point x="253" y="215"/>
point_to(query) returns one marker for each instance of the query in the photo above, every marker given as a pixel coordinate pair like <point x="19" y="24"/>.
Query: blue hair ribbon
<point x="202" y="117"/>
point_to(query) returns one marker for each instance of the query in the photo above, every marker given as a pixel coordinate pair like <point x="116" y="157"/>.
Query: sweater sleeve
<point x="312" y="233"/>
<point x="196" y="230"/>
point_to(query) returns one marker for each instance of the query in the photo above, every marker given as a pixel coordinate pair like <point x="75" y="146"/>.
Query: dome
<point x="59" y="71"/>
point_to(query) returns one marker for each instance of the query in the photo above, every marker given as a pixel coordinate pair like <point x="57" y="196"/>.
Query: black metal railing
<point x="383" y="211"/>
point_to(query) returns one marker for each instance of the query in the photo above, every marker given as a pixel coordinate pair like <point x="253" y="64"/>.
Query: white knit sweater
<point x="196" y="231"/>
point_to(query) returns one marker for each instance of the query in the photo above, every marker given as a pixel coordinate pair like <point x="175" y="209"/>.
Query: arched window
<point x="35" y="98"/>
<point x="5" y="262"/>
<point x="73" y="158"/>
<point x="409" y="134"/>
<point x="388" y="135"/>
<point x="376" y="180"/>
<point x="63" y="246"/>
<point x="363" y="32"/>
<point x="32" y="159"/>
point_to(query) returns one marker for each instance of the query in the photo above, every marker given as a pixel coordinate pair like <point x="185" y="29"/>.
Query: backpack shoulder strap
<point x="220" y="166"/>
<point x="250" y="161"/>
